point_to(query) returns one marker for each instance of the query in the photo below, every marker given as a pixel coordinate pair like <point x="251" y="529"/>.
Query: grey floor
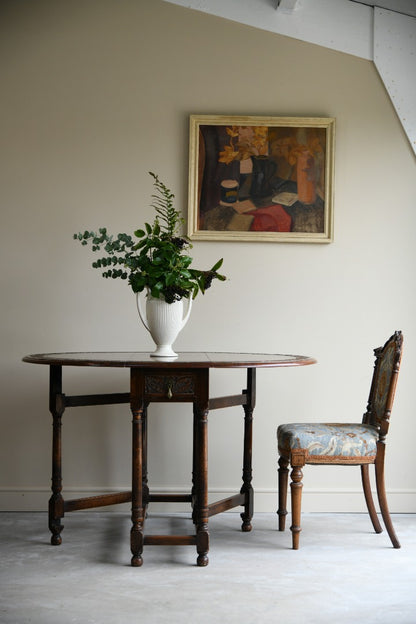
<point x="342" y="573"/>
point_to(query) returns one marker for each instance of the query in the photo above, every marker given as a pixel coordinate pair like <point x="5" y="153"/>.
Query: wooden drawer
<point x="175" y="387"/>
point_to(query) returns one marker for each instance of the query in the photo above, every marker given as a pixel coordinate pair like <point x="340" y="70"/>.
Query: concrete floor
<point x="342" y="573"/>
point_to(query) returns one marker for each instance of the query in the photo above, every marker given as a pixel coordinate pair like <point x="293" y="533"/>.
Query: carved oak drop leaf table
<point x="183" y="379"/>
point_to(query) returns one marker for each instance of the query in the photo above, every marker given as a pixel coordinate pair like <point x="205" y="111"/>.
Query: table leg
<point x="246" y="488"/>
<point x="56" y="501"/>
<point x="144" y="473"/>
<point x="200" y="512"/>
<point x="137" y="506"/>
<point x="195" y="455"/>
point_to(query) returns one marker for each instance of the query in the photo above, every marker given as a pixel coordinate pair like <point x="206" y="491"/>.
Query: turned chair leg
<point x="296" y="486"/>
<point x="381" y="493"/>
<point x="283" y="481"/>
<point x="365" y="479"/>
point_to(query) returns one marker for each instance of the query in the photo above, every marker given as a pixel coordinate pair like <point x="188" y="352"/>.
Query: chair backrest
<point x="383" y="385"/>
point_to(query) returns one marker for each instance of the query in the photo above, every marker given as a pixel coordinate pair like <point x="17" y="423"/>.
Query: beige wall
<point x="94" y="95"/>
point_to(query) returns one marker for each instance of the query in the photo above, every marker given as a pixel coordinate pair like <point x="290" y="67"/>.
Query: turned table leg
<point x="247" y="488"/>
<point x="137" y="507"/>
<point x="200" y="513"/>
<point x="56" y="501"/>
<point x="201" y="486"/>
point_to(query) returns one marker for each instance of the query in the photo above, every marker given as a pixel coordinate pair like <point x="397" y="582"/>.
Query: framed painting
<point x="261" y="178"/>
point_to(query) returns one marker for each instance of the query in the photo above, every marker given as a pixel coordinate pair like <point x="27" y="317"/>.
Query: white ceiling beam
<point x="395" y="59"/>
<point x="407" y="7"/>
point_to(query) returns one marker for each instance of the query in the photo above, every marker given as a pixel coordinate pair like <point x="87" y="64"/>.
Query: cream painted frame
<point x="199" y="156"/>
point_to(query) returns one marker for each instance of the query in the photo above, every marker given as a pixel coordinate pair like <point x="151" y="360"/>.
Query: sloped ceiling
<point x="384" y="34"/>
<point x="407" y="7"/>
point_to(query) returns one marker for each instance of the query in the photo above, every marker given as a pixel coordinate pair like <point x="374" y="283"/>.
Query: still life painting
<point x="261" y="178"/>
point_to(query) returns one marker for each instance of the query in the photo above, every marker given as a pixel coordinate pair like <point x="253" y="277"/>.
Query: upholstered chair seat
<point x="341" y="443"/>
<point x="326" y="443"/>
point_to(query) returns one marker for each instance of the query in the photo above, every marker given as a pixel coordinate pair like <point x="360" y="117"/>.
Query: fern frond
<point x="162" y="202"/>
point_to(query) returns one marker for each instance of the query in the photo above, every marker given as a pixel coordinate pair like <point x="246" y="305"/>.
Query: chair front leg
<point x="283" y="481"/>
<point x="296" y="486"/>
<point x="297" y="461"/>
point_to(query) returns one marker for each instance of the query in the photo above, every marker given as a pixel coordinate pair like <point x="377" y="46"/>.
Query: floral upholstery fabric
<point x="329" y="440"/>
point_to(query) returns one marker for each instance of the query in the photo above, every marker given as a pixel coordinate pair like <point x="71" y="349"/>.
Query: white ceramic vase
<point x="163" y="321"/>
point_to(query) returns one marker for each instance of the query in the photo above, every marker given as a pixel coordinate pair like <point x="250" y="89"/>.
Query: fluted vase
<point x="163" y="321"/>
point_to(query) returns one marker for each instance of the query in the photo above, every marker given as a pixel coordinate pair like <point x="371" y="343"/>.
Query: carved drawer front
<point x="170" y="387"/>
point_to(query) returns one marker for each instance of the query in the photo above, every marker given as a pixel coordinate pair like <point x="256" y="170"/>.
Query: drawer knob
<point x="170" y="393"/>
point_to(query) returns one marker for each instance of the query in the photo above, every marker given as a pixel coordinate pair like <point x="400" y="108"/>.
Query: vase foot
<point x="164" y="351"/>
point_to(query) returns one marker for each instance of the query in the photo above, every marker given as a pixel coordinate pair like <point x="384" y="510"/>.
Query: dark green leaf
<point x="217" y="266"/>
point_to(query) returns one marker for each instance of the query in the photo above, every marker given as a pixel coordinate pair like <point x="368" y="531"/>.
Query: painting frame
<point x="233" y="194"/>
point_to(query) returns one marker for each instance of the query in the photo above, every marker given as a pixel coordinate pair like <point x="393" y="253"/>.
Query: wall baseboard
<point x="313" y="500"/>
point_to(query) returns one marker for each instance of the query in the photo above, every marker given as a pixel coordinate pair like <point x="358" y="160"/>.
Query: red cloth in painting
<point x="272" y="218"/>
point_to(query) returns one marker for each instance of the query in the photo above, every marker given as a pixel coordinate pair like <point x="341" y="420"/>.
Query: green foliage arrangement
<point x="158" y="261"/>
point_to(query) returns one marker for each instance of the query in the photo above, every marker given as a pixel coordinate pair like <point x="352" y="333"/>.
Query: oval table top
<point x="134" y="359"/>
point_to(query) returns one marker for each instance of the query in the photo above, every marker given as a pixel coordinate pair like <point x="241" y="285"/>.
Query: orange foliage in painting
<point x="245" y="141"/>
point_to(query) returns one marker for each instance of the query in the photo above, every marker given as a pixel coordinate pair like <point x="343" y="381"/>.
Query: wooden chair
<point x="344" y="444"/>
